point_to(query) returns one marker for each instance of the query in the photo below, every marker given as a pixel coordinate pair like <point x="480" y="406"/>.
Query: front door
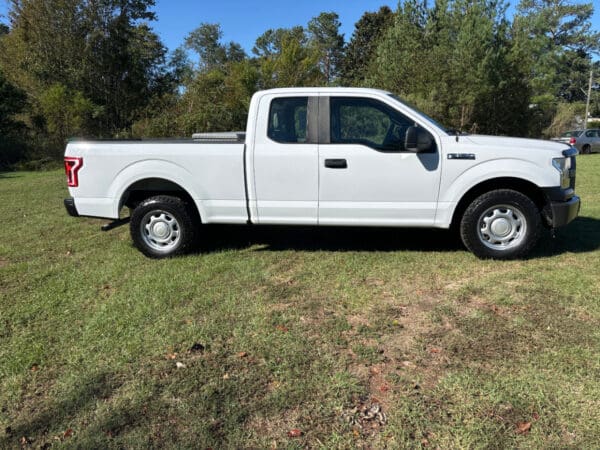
<point x="366" y="177"/>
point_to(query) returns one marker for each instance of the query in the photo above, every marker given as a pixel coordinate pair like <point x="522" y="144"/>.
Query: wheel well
<point x="517" y="184"/>
<point x="150" y="187"/>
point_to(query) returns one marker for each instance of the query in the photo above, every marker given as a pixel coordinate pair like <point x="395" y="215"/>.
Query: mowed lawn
<point x="293" y="337"/>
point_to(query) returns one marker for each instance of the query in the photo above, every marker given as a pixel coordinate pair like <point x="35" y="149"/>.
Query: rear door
<point x="285" y="160"/>
<point x="366" y="175"/>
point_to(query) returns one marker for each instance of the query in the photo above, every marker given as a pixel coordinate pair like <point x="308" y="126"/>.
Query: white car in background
<point x="586" y="141"/>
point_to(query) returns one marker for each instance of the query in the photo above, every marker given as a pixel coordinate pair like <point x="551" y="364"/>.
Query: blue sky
<point x="243" y="21"/>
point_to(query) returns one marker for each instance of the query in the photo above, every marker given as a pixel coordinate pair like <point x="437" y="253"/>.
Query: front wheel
<point x="501" y="224"/>
<point x="162" y="226"/>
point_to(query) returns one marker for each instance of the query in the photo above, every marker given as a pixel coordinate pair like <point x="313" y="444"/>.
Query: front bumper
<point x="562" y="205"/>
<point x="70" y="206"/>
<point x="565" y="212"/>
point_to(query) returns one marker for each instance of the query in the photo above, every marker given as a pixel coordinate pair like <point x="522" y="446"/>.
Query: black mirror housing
<point x="418" y="140"/>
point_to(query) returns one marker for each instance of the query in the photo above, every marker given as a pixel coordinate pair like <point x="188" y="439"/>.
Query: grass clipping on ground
<point x="271" y="338"/>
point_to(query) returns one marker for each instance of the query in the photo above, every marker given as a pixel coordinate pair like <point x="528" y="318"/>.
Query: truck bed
<point x="210" y="168"/>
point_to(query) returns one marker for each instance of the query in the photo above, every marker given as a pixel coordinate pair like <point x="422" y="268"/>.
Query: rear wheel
<point x="163" y="226"/>
<point x="586" y="149"/>
<point x="501" y="224"/>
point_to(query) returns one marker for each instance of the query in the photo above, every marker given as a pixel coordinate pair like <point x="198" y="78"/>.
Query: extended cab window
<point x="287" y="119"/>
<point x="368" y="122"/>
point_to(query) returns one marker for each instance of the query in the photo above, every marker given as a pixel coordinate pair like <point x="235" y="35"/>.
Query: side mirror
<point x="418" y="140"/>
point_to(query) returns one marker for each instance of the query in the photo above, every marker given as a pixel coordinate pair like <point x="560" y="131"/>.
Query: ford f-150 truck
<point x="328" y="156"/>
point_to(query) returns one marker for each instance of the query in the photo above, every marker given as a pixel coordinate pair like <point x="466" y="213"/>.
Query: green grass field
<point x="289" y="338"/>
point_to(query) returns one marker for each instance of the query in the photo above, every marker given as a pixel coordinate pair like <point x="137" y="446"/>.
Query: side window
<point x="369" y="122"/>
<point x="287" y="119"/>
<point x="591" y="133"/>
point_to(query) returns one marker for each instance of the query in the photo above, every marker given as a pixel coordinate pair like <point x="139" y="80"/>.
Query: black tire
<point x="163" y="226"/>
<point x="586" y="149"/>
<point x="512" y="228"/>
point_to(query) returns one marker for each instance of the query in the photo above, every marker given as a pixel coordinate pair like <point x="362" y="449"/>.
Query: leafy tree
<point x="329" y="43"/>
<point x="296" y="65"/>
<point x="557" y="44"/>
<point x="235" y="52"/>
<point x="214" y="100"/>
<point x="217" y="95"/>
<point x="213" y="96"/>
<point x="293" y="65"/>
<point x="45" y="43"/>
<point x="97" y="68"/>
<point x="503" y="104"/>
<point x="12" y="99"/>
<point x="395" y="68"/>
<point x="454" y="60"/>
<point x="12" y="131"/>
<point x="206" y="42"/>
<point x="102" y="49"/>
<point x="66" y="113"/>
<point x="180" y="67"/>
<point x="124" y="61"/>
<point x="286" y="58"/>
<point x="360" y="51"/>
<point x="270" y="43"/>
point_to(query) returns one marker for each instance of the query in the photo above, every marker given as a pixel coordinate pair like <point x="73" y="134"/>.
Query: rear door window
<point x="288" y="120"/>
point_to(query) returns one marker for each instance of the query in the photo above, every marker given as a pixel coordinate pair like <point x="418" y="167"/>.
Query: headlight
<point x="563" y="165"/>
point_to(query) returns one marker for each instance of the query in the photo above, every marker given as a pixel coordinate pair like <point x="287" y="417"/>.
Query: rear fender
<point x="154" y="168"/>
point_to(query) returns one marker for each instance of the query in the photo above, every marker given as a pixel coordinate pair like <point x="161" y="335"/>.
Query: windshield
<point x="422" y="114"/>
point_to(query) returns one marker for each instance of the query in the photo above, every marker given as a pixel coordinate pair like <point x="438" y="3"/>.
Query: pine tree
<point x="360" y="51"/>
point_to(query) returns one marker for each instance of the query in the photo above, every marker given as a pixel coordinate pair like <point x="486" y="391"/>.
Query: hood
<point x="515" y="143"/>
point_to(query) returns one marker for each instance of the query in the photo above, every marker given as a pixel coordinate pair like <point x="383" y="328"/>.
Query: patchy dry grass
<point x="265" y="331"/>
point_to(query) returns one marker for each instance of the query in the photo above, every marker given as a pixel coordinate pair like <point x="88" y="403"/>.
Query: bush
<point x="12" y="150"/>
<point x="593" y="124"/>
<point x="12" y="132"/>
<point x="568" y="116"/>
<point x="67" y="113"/>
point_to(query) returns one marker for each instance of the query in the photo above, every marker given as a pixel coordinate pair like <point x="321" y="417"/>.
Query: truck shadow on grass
<point x="338" y="239"/>
<point x="582" y="235"/>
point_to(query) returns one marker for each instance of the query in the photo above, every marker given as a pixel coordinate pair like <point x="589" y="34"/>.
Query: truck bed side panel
<point x="212" y="174"/>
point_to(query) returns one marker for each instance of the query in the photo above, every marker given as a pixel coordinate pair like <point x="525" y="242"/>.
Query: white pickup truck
<point x="328" y="156"/>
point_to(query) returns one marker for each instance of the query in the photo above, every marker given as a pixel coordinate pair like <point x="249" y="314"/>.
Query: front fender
<point x="456" y="183"/>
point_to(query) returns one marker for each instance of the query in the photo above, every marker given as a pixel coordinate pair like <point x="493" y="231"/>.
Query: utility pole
<point x="587" y="103"/>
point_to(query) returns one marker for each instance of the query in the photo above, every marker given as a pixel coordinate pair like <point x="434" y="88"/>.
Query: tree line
<point x="96" y="68"/>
